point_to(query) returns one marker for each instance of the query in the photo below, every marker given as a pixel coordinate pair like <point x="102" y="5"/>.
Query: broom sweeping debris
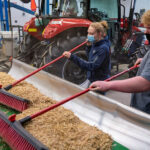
<point x="16" y="137"/>
<point x="12" y="101"/>
<point x="16" y="102"/>
<point x="9" y="127"/>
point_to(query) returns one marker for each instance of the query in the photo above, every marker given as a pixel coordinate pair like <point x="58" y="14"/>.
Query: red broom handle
<point x="32" y="73"/>
<point x="28" y="118"/>
<point x="59" y="103"/>
<point x="121" y="73"/>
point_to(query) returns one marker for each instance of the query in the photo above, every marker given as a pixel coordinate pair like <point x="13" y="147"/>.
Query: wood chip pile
<point x="58" y="129"/>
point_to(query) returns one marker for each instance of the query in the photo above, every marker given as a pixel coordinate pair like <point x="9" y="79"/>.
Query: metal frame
<point x="4" y="19"/>
<point x="22" y="8"/>
<point x="4" y="15"/>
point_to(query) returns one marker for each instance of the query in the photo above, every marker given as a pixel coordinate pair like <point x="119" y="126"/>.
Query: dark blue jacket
<point x="98" y="64"/>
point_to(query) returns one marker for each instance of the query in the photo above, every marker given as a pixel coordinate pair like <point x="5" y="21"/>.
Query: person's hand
<point x="138" y="61"/>
<point x="99" y="85"/>
<point x="67" y="54"/>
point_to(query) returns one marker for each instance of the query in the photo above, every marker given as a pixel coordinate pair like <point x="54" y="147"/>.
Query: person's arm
<point x="132" y="85"/>
<point x="90" y="65"/>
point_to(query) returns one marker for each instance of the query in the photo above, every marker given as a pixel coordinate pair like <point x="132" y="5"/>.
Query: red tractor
<point x="62" y="24"/>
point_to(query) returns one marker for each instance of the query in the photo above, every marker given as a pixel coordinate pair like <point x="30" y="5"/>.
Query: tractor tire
<point x="139" y="53"/>
<point x="56" y="49"/>
<point x="73" y="72"/>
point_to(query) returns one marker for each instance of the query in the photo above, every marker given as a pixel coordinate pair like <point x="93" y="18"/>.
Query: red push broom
<point x="16" y="102"/>
<point x="13" y="101"/>
<point x="17" y="138"/>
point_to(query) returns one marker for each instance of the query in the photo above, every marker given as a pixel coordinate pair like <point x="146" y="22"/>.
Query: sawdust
<point x="58" y="129"/>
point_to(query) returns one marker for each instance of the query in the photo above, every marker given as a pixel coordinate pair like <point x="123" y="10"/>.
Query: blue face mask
<point x="91" y="38"/>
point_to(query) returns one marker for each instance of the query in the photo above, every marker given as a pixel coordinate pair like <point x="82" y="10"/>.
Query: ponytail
<point x="100" y="27"/>
<point x="104" y="24"/>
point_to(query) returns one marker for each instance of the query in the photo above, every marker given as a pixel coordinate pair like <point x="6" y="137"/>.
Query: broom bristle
<point x="13" y="101"/>
<point x="17" y="137"/>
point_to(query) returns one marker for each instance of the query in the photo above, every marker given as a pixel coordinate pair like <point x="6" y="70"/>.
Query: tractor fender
<point x="31" y="28"/>
<point x="26" y="25"/>
<point x="57" y="26"/>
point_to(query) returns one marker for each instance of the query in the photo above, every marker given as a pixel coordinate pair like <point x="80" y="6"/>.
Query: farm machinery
<point x="61" y="25"/>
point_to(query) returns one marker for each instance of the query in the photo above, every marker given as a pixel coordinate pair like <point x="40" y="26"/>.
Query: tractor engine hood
<point x="57" y="26"/>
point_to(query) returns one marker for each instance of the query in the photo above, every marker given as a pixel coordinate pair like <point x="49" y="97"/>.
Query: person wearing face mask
<point x="139" y="85"/>
<point x="97" y="49"/>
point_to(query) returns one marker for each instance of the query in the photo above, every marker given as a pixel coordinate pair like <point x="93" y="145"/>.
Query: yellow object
<point x="27" y="27"/>
<point x="43" y="31"/>
<point x="32" y="30"/>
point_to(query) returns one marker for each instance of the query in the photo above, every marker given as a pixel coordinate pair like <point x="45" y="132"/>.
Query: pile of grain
<point x="58" y="129"/>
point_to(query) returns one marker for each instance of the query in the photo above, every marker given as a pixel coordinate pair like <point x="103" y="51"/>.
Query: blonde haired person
<point x="97" y="49"/>
<point x="105" y="26"/>
<point x="139" y="85"/>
